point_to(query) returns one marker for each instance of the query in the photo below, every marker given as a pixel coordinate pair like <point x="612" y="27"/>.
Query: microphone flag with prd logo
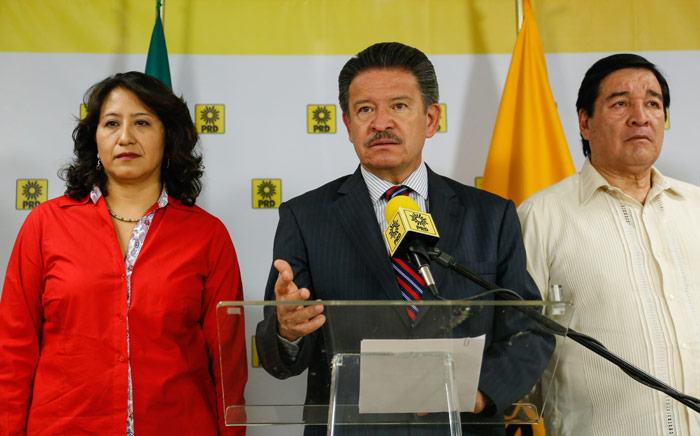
<point x="406" y="223"/>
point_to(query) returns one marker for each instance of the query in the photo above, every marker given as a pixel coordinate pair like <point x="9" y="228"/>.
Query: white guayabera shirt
<point x="633" y="272"/>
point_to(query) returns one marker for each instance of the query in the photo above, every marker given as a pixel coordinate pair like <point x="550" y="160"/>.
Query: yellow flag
<point x="528" y="149"/>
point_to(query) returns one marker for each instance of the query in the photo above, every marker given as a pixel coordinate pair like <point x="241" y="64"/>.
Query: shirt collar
<point x="417" y="181"/>
<point x="592" y="181"/>
<point x="96" y="193"/>
<point x="659" y="184"/>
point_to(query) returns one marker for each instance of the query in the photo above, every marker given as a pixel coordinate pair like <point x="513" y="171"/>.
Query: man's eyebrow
<point x="655" y="94"/>
<point x="362" y="101"/>
<point x="650" y="92"/>
<point x="367" y="100"/>
<point x="617" y="94"/>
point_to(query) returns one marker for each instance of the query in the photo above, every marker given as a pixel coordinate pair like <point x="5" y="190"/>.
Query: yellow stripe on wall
<point x="330" y="27"/>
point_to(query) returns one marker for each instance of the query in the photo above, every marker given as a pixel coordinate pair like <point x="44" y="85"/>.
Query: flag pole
<point x="157" y="64"/>
<point x="161" y="8"/>
<point x="518" y="15"/>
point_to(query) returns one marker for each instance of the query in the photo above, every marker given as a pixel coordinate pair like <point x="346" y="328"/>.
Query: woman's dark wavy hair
<point x="181" y="169"/>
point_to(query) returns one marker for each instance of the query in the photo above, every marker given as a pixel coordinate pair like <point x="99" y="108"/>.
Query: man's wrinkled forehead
<point x="616" y="84"/>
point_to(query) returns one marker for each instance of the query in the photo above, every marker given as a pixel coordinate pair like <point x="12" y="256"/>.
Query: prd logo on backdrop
<point x="267" y="193"/>
<point x="209" y="118"/>
<point x="31" y="192"/>
<point x="442" y="127"/>
<point x="320" y="118"/>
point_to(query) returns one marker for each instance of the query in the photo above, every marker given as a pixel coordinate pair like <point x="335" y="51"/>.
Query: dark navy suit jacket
<point x="331" y="238"/>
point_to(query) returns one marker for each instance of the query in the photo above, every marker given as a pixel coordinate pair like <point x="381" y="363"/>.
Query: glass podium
<point x="379" y="362"/>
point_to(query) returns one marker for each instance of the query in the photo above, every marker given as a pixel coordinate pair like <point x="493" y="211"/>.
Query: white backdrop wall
<point x="266" y="97"/>
<point x="265" y="100"/>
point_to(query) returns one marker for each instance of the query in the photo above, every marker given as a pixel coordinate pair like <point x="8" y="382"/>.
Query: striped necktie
<point x="410" y="282"/>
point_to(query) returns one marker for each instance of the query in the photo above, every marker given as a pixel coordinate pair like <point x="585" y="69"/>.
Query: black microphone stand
<point x="447" y="261"/>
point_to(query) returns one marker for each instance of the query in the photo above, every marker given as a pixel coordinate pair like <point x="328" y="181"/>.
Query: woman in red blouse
<point x="108" y="311"/>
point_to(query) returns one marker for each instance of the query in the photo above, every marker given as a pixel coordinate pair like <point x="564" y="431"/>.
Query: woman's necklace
<point x="126" y="220"/>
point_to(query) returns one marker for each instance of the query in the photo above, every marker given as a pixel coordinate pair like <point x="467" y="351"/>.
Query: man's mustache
<point x="383" y="135"/>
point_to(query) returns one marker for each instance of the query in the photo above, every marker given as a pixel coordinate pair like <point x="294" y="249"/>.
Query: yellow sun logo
<point x="320" y="118"/>
<point x="394" y="231"/>
<point x="321" y="115"/>
<point x="31" y="190"/>
<point x="210" y="115"/>
<point x="266" y="189"/>
<point x="266" y="193"/>
<point x="419" y="219"/>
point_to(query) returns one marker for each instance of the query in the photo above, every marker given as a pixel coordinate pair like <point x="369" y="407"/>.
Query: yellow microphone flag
<point x="404" y="217"/>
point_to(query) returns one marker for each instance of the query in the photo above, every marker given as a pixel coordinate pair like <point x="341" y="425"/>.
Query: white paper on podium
<point x="403" y="383"/>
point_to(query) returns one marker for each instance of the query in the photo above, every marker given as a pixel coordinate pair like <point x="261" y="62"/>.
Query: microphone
<point x="409" y="234"/>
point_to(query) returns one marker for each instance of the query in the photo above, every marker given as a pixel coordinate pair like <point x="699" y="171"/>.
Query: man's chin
<point x="382" y="164"/>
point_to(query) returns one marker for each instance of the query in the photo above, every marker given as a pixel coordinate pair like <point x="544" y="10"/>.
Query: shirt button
<point x="123" y="277"/>
<point x="671" y="297"/>
<point x="684" y="345"/>
<point x="121" y="357"/>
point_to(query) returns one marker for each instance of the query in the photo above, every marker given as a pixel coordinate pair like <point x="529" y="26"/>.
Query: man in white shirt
<point x="624" y="242"/>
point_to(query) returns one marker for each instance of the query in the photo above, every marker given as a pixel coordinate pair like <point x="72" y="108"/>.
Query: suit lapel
<point x="447" y="212"/>
<point x="354" y="211"/>
<point x="448" y="215"/>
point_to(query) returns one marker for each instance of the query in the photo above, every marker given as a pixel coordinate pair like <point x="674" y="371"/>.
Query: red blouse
<point x="63" y="356"/>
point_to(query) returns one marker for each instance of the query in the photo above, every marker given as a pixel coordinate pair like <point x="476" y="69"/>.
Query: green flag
<point x="157" y="62"/>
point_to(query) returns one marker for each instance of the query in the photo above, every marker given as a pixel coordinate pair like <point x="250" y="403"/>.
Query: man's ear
<point x="432" y="119"/>
<point x="583" y="126"/>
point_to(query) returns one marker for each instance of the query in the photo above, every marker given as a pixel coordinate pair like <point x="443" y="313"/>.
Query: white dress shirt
<point x="633" y="274"/>
<point x="417" y="181"/>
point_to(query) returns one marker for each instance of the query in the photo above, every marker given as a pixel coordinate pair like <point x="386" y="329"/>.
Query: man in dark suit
<point x="329" y="242"/>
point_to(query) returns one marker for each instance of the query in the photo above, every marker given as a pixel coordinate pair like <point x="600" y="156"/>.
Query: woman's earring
<point x="99" y="164"/>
